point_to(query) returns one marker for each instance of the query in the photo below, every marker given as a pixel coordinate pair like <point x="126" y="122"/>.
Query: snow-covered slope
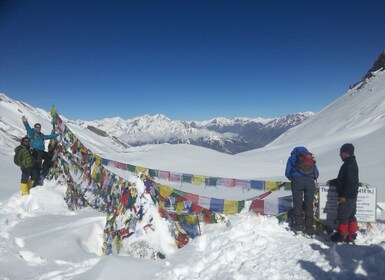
<point x="41" y="239"/>
<point x="358" y="117"/>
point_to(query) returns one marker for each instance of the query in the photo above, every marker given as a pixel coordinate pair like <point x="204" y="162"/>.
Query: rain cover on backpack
<point x="305" y="163"/>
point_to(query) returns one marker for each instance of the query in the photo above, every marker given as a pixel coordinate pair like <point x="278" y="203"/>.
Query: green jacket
<point x="25" y="156"/>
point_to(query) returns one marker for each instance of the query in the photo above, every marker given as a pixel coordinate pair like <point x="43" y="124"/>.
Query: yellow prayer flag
<point x="95" y="168"/>
<point x="53" y="111"/>
<point x="191" y="219"/>
<point x="139" y="169"/>
<point x="198" y="180"/>
<point x="165" y="191"/>
<point x="118" y="181"/>
<point x="179" y="207"/>
<point x="230" y="207"/>
<point x="271" y="185"/>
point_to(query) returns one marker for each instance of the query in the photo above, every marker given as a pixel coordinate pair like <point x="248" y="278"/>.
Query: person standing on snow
<point x="38" y="147"/>
<point x="26" y="163"/>
<point x="347" y="184"/>
<point x="303" y="174"/>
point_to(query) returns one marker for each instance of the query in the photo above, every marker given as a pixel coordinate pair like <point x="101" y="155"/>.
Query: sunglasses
<point x="25" y="141"/>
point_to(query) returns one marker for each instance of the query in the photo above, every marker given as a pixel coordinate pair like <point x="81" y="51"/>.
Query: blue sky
<point x="188" y="60"/>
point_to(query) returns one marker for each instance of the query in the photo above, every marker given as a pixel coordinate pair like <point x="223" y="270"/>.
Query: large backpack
<point x="305" y="163"/>
<point x="16" y="159"/>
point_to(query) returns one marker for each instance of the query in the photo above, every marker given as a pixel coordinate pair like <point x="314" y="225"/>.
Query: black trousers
<point x="303" y="189"/>
<point x="43" y="160"/>
<point x="29" y="173"/>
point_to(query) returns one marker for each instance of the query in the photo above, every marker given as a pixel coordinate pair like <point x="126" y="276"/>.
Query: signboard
<point x="366" y="204"/>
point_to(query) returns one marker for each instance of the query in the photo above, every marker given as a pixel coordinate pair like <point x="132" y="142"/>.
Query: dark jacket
<point x="291" y="172"/>
<point x="25" y="156"/>
<point x="37" y="138"/>
<point x="347" y="182"/>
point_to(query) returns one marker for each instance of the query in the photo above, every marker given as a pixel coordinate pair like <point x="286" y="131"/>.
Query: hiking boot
<point x="296" y="224"/>
<point x="309" y="231"/>
<point x="351" y="238"/>
<point x="338" y="237"/>
<point x="296" y="228"/>
<point x="309" y="228"/>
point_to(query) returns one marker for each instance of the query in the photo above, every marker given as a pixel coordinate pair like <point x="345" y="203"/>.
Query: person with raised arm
<point x="43" y="160"/>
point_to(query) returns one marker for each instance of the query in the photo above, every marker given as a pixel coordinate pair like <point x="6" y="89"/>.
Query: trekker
<point x="38" y="147"/>
<point x="303" y="182"/>
<point x="347" y="184"/>
<point x="26" y="163"/>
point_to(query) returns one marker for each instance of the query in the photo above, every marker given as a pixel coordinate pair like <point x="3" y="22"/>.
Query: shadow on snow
<point x="349" y="262"/>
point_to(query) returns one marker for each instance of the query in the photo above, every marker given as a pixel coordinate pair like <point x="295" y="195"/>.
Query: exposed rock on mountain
<point x="225" y="135"/>
<point x="378" y="65"/>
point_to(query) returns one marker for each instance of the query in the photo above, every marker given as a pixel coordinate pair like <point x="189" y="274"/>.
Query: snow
<point x="41" y="239"/>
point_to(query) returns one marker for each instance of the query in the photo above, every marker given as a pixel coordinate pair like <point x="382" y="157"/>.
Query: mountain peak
<point x="378" y="65"/>
<point x="156" y="117"/>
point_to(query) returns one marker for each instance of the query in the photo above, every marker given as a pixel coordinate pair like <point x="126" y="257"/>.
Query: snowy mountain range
<point x="357" y="117"/>
<point x="41" y="239"/>
<point x="224" y="135"/>
<point x="230" y="136"/>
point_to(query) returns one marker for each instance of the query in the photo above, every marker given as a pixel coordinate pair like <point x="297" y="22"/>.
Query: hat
<point x="348" y="147"/>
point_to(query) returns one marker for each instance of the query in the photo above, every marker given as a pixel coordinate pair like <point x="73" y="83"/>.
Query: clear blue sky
<point x="188" y="60"/>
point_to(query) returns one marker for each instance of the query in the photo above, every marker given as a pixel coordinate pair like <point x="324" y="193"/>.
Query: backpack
<point x="305" y="163"/>
<point x="16" y="158"/>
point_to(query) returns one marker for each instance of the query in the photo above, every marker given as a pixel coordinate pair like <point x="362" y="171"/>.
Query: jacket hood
<point x="298" y="150"/>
